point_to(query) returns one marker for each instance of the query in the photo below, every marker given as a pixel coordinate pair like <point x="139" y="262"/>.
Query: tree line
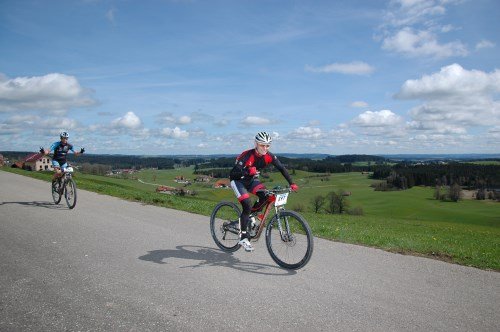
<point x="467" y="175"/>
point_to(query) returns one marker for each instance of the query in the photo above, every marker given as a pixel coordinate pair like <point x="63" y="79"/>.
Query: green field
<point x="486" y="162"/>
<point x="408" y="222"/>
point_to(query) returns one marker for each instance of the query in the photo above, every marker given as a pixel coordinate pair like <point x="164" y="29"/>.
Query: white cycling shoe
<point x="246" y="244"/>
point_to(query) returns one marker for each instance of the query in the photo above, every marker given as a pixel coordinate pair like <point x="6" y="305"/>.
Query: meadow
<point x="407" y="222"/>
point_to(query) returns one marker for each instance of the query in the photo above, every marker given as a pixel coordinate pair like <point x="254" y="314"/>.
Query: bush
<point x="455" y="192"/>
<point x="481" y="194"/>
<point x="356" y="211"/>
<point x="299" y="207"/>
<point x="317" y="203"/>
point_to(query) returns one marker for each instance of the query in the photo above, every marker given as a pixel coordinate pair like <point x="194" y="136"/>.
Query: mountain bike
<point x="65" y="185"/>
<point x="289" y="238"/>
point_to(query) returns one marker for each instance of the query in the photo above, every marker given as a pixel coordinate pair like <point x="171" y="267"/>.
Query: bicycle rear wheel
<point x="289" y="240"/>
<point x="56" y="193"/>
<point x="224" y="226"/>
<point x="70" y="193"/>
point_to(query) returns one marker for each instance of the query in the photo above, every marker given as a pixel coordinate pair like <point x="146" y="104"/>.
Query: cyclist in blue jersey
<point x="244" y="179"/>
<point x="61" y="150"/>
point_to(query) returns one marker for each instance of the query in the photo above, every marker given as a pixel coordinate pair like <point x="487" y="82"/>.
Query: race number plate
<point x="69" y="169"/>
<point x="281" y="199"/>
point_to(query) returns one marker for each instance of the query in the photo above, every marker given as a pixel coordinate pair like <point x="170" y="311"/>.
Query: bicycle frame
<point x="66" y="175"/>
<point x="68" y="171"/>
<point x="263" y="216"/>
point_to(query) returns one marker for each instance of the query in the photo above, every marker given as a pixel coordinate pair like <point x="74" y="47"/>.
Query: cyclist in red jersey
<point x="244" y="180"/>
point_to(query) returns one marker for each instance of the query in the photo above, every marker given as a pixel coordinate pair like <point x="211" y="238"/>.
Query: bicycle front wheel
<point x="70" y="193"/>
<point x="56" y="195"/>
<point x="289" y="240"/>
<point x="224" y="226"/>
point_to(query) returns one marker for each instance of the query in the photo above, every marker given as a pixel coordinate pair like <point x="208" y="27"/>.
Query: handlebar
<point x="276" y="190"/>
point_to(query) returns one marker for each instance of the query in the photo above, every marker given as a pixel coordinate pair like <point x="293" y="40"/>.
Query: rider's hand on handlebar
<point x="82" y="150"/>
<point x="294" y="187"/>
<point x="252" y="171"/>
<point x="42" y="150"/>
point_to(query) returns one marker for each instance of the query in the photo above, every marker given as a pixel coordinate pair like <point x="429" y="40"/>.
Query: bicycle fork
<point x="285" y="232"/>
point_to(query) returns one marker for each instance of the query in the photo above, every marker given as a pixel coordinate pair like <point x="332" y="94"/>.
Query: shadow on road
<point x="47" y="205"/>
<point x="212" y="257"/>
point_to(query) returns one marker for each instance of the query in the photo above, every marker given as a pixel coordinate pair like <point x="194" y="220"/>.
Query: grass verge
<point x="470" y="244"/>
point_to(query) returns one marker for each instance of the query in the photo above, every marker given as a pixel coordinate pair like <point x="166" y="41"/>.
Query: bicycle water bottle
<point x="253" y="226"/>
<point x="252" y="220"/>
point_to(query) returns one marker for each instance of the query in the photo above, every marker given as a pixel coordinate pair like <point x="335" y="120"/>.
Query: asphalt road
<point x="114" y="265"/>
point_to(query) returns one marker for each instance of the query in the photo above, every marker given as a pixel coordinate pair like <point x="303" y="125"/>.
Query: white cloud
<point x="175" y="133"/>
<point x="410" y="12"/>
<point x="308" y="133"/>
<point x="167" y="117"/>
<point x="110" y="15"/>
<point x="352" y="68"/>
<point x="184" y="119"/>
<point x="455" y="96"/>
<point x="49" y="92"/>
<point x="422" y="43"/>
<point x="24" y="119"/>
<point x="451" y="81"/>
<point x="5" y="129"/>
<point x="128" y="121"/>
<point x="484" y="44"/>
<point x="341" y="133"/>
<point x="382" y="118"/>
<point x="359" y="104"/>
<point x="411" y="27"/>
<point x="221" y="123"/>
<point x="437" y="127"/>
<point x="255" y="120"/>
<point x="58" y="124"/>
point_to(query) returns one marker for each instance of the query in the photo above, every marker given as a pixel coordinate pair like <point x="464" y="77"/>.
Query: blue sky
<point x="166" y="77"/>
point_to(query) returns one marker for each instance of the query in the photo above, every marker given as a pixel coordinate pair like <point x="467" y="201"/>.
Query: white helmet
<point x="64" y="134"/>
<point x="263" y="138"/>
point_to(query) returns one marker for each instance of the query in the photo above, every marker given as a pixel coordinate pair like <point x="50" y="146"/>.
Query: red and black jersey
<point x="251" y="158"/>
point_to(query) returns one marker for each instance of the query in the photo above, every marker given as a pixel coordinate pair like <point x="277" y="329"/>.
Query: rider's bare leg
<point x="57" y="173"/>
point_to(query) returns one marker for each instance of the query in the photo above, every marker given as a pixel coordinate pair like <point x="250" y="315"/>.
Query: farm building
<point x="165" y="189"/>
<point x="35" y="162"/>
<point x="222" y="183"/>
<point x="203" y="178"/>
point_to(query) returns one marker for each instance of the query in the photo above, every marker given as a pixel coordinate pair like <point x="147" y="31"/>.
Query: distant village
<point x="220" y="183"/>
<point x="40" y="162"/>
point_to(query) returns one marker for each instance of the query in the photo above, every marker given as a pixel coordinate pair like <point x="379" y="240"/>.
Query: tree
<point x="481" y="194"/>
<point x="455" y="192"/>
<point x="336" y="202"/>
<point x="318" y="202"/>
<point x="438" y="194"/>
<point x="341" y="201"/>
<point x="331" y="200"/>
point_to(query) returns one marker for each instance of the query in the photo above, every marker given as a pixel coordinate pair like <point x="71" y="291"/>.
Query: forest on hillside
<point x="468" y="175"/>
<point x="401" y="175"/>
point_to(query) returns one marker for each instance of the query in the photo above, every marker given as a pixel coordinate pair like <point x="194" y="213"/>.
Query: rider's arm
<point x="71" y="148"/>
<point x="239" y="170"/>
<point x="53" y="147"/>
<point x="282" y="169"/>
